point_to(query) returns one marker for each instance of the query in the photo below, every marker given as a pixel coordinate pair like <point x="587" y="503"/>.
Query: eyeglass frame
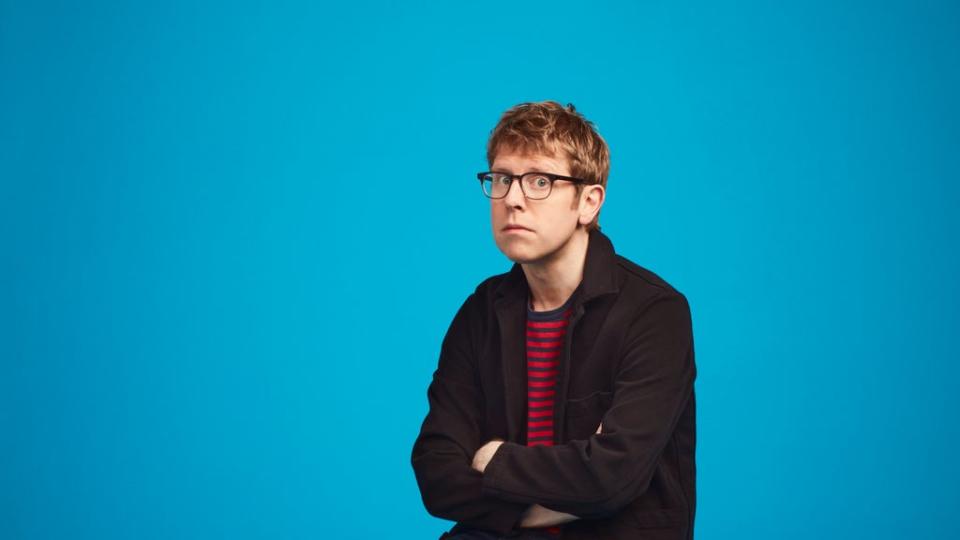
<point x="550" y="176"/>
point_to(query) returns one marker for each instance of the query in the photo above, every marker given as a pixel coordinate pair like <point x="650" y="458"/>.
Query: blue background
<point x="233" y="236"/>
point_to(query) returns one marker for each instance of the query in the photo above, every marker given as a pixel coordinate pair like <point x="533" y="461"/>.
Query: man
<point x="563" y="402"/>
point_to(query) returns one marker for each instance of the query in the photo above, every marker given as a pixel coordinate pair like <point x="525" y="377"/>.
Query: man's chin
<point x="520" y="254"/>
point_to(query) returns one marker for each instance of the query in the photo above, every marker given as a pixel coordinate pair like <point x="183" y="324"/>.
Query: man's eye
<point x="542" y="182"/>
<point x="503" y="180"/>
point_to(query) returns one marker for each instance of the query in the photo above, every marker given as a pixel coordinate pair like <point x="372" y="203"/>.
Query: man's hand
<point x="485" y="454"/>
<point x="538" y="516"/>
<point x="599" y="428"/>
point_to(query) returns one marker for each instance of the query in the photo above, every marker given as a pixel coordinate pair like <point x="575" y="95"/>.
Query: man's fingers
<point x="599" y="427"/>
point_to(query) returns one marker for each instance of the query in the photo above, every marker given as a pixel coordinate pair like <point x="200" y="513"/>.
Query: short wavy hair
<point x="550" y="129"/>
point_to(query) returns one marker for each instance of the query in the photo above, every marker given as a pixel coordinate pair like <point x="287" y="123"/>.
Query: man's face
<point x="546" y="224"/>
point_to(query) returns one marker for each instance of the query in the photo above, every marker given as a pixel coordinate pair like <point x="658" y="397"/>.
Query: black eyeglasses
<point x="534" y="185"/>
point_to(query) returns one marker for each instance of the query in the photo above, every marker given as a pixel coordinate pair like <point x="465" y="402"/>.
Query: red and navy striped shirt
<point x="545" y="337"/>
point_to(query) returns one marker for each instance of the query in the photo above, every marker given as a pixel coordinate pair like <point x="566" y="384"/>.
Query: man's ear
<point x="590" y="202"/>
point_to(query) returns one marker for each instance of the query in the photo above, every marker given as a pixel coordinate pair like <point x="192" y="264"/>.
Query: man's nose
<point x="514" y="197"/>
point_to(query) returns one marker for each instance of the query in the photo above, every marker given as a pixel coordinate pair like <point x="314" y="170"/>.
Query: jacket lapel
<point x="511" y="318"/>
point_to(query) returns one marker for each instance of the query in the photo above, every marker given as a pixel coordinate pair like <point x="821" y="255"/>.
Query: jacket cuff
<point x="505" y="517"/>
<point x="492" y="474"/>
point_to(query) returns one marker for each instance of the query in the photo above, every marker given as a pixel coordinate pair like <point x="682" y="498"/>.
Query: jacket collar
<point x="599" y="275"/>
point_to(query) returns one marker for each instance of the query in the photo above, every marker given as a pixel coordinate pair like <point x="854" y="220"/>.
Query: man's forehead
<point x="528" y="161"/>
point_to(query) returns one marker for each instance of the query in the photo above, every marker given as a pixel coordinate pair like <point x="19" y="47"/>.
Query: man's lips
<point x="515" y="228"/>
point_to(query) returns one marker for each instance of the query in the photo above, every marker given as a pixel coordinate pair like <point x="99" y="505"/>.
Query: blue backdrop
<point x="233" y="236"/>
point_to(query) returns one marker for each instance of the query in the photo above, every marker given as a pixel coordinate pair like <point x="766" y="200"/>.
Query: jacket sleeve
<point x="594" y="478"/>
<point x="450" y="436"/>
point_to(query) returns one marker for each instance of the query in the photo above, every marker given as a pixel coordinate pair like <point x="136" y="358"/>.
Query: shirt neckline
<point x="555" y="313"/>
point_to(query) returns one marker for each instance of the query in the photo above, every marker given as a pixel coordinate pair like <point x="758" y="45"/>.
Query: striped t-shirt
<point x="545" y="336"/>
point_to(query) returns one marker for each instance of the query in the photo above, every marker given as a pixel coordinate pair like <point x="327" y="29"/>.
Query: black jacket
<point x="628" y="361"/>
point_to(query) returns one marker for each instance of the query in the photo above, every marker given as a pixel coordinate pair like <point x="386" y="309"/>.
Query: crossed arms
<point x="544" y="485"/>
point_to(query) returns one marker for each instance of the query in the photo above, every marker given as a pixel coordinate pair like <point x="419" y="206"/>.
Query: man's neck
<point x="553" y="280"/>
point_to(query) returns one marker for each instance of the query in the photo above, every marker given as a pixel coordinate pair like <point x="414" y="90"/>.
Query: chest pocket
<point x="583" y="415"/>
